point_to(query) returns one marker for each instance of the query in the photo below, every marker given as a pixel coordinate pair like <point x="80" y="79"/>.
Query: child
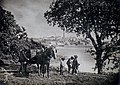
<point x="69" y="63"/>
<point x="75" y="64"/>
<point x="62" y="65"/>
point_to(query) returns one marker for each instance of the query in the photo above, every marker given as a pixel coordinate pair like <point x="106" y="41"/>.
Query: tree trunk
<point x="99" y="67"/>
<point x="97" y="45"/>
<point x="99" y="62"/>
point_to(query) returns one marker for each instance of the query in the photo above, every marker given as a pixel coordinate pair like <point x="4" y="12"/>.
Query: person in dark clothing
<point x="69" y="63"/>
<point x="75" y="64"/>
<point x="23" y="60"/>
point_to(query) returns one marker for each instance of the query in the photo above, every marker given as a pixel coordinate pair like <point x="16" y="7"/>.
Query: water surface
<point x="85" y="59"/>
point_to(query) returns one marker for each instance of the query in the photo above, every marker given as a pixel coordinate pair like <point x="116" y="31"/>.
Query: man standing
<point x="69" y="63"/>
<point x="23" y="60"/>
<point x="75" y="65"/>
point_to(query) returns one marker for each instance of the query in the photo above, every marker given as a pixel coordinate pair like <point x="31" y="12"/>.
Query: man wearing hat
<point x="75" y="65"/>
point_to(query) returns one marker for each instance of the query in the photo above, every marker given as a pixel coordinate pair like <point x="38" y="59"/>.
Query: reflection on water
<point x="85" y="59"/>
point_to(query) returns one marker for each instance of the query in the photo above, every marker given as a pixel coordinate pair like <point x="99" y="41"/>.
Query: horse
<point x="42" y="59"/>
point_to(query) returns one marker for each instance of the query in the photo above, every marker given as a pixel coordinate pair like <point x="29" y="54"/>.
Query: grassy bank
<point x="66" y="79"/>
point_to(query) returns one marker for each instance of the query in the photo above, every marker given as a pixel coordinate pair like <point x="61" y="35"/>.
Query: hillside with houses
<point x="60" y="41"/>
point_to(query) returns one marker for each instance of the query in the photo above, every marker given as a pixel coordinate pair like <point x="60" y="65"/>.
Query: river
<point x="86" y="61"/>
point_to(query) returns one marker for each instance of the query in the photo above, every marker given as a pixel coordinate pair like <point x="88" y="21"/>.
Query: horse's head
<point x="50" y="52"/>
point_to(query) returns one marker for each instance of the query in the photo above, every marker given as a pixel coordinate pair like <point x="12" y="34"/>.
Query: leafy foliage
<point x="13" y="38"/>
<point x="97" y="20"/>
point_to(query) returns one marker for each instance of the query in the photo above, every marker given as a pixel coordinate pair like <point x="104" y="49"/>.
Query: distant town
<point x="62" y="41"/>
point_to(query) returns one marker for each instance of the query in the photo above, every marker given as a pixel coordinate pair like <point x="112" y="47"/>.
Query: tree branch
<point x="92" y="39"/>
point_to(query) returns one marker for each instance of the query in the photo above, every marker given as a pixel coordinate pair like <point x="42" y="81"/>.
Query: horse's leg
<point x="48" y="69"/>
<point x="38" y="69"/>
<point x="43" y="69"/>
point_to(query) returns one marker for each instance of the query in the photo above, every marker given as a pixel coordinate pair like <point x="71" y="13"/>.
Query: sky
<point x="30" y="14"/>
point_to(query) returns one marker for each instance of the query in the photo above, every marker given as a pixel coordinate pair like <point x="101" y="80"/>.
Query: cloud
<point x="30" y="14"/>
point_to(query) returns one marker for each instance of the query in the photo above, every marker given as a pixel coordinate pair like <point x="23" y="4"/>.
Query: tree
<point x="13" y="38"/>
<point x="97" y="20"/>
